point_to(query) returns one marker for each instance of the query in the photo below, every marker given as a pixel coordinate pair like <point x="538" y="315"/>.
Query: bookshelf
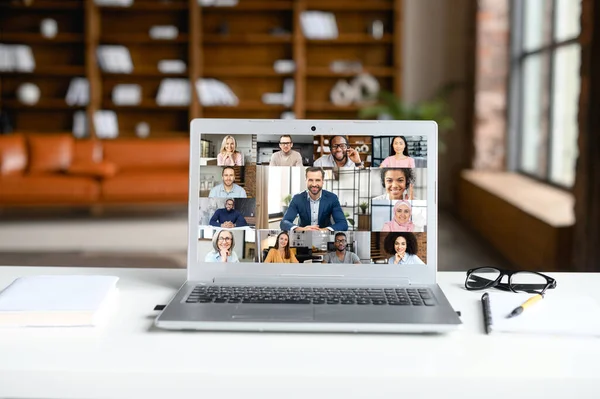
<point x="236" y="45"/>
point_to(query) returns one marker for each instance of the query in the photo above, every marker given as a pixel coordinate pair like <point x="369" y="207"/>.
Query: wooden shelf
<point x="325" y="72"/>
<point x="324" y="107"/>
<point x="353" y="38"/>
<point x="249" y="106"/>
<point x="145" y="105"/>
<point x="350" y="5"/>
<point x="144" y="72"/>
<point x="35" y="38"/>
<point x="136" y="6"/>
<point x="256" y="38"/>
<point x="66" y="70"/>
<point x="46" y="5"/>
<point x="141" y="38"/>
<point x="242" y="71"/>
<point x="43" y="104"/>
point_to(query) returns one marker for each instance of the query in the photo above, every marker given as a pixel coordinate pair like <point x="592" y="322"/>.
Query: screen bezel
<point x="415" y="274"/>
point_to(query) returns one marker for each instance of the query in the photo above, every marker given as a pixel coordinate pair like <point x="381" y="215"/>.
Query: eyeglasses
<point x="224" y="238"/>
<point x="288" y="143"/>
<point x="340" y="146"/>
<point x="482" y="278"/>
<point x="340" y="241"/>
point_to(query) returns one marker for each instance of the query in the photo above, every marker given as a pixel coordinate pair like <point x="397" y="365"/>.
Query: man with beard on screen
<point x="315" y="207"/>
<point x="342" y="155"/>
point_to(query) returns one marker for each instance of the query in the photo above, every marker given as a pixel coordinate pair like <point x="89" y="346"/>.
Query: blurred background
<point x="96" y="98"/>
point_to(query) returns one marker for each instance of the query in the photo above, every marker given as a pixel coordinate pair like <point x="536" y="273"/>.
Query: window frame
<point x="516" y="89"/>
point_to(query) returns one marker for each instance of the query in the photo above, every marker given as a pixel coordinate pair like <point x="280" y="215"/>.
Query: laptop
<point x="242" y="270"/>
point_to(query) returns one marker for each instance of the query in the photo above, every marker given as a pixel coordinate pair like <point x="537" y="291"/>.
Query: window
<point x="544" y="89"/>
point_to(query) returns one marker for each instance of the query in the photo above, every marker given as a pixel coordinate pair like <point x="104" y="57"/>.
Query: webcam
<point x="313" y="128"/>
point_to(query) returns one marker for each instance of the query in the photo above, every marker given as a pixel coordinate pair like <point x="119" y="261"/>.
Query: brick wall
<point x="493" y="39"/>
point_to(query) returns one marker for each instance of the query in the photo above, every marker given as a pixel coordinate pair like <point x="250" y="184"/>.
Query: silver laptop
<point x="312" y="225"/>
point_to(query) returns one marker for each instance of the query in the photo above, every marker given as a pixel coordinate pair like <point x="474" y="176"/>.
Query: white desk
<point x="130" y="358"/>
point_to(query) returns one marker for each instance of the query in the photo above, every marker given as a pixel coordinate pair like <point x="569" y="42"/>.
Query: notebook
<point x="39" y="301"/>
<point x="555" y="315"/>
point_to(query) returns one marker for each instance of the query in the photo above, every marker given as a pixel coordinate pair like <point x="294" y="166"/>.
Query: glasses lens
<point x="224" y="238"/>
<point x="282" y="143"/>
<point x="341" y="146"/>
<point x="340" y="241"/>
<point x="482" y="278"/>
<point x="527" y="282"/>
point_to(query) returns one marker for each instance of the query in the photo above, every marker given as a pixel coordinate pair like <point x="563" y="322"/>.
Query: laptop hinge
<point x="312" y="280"/>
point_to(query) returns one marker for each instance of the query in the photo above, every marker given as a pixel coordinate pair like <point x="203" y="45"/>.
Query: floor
<point x="158" y="240"/>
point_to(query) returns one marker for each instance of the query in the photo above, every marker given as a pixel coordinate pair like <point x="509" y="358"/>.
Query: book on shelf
<point x="127" y="94"/>
<point x="113" y="3"/>
<point x="173" y="92"/>
<point x="171" y="66"/>
<point x="16" y="58"/>
<point x="163" y="32"/>
<point x="286" y="98"/>
<point x="105" y="124"/>
<point x="318" y="25"/>
<point x="213" y="92"/>
<point x="114" y="58"/>
<point x="80" y="124"/>
<point x="78" y="92"/>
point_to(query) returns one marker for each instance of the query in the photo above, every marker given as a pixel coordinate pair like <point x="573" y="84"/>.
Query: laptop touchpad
<point x="267" y="312"/>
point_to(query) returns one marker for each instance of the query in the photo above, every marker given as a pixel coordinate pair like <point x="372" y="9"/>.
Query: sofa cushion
<point x="49" y="153"/>
<point x="13" y="154"/>
<point x="89" y="169"/>
<point x="48" y="189"/>
<point x="146" y="187"/>
<point x="139" y="154"/>
<point x="87" y="151"/>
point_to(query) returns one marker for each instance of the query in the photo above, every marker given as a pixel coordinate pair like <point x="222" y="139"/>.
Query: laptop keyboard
<point x="315" y="296"/>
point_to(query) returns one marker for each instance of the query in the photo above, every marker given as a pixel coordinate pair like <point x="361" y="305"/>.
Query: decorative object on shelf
<point x="114" y="3"/>
<point x="286" y="98"/>
<point x="436" y="109"/>
<point x="171" y="66"/>
<point x="127" y="94"/>
<point x="279" y="31"/>
<point x="376" y="29"/>
<point x="49" y="28"/>
<point x="284" y="66"/>
<point x="78" y="92"/>
<point x="16" y="58"/>
<point x="105" y="124"/>
<point x="213" y="92"/>
<point x="114" y="58"/>
<point x="163" y="32"/>
<point x="80" y="129"/>
<point x="288" y="115"/>
<point x="142" y="130"/>
<point x="28" y="93"/>
<point x="173" y="92"/>
<point x="363" y="207"/>
<point x="318" y="25"/>
<point x="343" y="93"/>
<point x="363" y="88"/>
<point x="345" y="66"/>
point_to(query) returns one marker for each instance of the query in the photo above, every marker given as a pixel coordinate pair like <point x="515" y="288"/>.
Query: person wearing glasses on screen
<point x="229" y="155"/>
<point x="287" y="156"/>
<point x="341" y="255"/>
<point x="398" y="155"/>
<point x="223" y="244"/>
<point x="342" y="155"/>
<point x="398" y="184"/>
<point x="403" y="247"/>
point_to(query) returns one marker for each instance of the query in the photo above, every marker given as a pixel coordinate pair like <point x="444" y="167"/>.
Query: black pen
<point x="487" y="313"/>
<point x="517" y="311"/>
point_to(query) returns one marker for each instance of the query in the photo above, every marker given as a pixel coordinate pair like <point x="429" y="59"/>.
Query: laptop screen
<point x="313" y="199"/>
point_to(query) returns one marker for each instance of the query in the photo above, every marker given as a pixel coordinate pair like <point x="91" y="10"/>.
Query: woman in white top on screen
<point x="398" y="184"/>
<point x="404" y="247"/>
<point x="229" y="156"/>
<point x="223" y="244"/>
<point x="398" y="155"/>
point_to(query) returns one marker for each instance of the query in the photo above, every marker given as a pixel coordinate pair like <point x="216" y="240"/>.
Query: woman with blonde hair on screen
<point x="281" y="253"/>
<point x="401" y="220"/>
<point x="398" y="155"/>
<point x="229" y="155"/>
<point x="223" y="243"/>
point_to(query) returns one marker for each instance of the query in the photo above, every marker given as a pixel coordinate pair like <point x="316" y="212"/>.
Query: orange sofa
<point x="56" y="169"/>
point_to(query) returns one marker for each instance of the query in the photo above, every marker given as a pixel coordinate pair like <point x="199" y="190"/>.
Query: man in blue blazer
<point x="315" y="207"/>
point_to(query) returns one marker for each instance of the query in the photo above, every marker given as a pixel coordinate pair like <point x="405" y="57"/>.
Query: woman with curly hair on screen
<point x="403" y="247"/>
<point x="398" y="155"/>
<point x="229" y="155"/>
<point x="398" y="184"/>
<point x="281" y="253"/>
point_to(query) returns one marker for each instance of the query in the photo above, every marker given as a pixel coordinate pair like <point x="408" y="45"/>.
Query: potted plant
<point x="350" y="220"/>
<point x="363" y="207"/>
<point x="389" y="106"/>
<point x="286" y="200"/>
